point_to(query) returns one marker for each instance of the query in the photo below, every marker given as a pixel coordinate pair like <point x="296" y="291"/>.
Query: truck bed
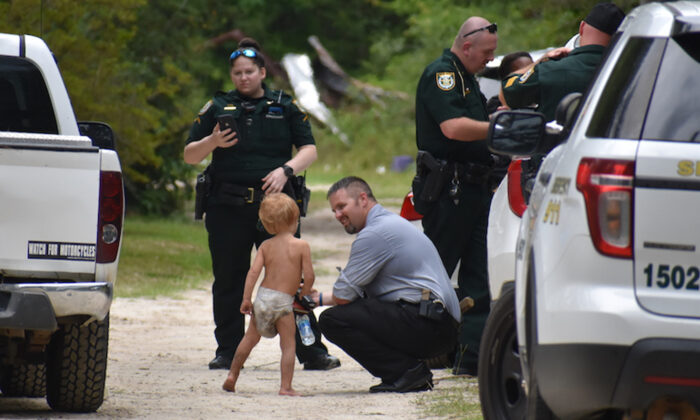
<point x="48" y="210"/>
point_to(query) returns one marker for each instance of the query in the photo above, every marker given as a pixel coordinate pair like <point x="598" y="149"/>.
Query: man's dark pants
<point x="387" y="338"/>
<point x="459" y="233"/>
<point x="233" y="230"/>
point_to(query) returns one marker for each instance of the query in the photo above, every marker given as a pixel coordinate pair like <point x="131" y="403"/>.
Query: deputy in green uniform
<point x="451" y="187"/>
<point x="247" y="163"/>
<point x="561" y="71"/>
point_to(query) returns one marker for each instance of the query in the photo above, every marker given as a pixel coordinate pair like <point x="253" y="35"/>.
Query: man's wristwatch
<point x="288" y="171"/>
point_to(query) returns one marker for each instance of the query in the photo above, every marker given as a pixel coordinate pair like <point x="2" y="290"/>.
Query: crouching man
<point x="394" y="305"/>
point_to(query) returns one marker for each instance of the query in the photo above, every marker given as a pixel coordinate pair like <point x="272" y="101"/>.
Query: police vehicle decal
<point x="60" y="251"/>
<point x="561" y="185"/>
<point x="445" y="80"/>
<point x="551" y="214"/>
<point x="666" y="276"/>
<point x="689" y="168"/>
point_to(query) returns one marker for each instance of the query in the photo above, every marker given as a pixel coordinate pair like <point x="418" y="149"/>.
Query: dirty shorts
<point x="269" y="306"/>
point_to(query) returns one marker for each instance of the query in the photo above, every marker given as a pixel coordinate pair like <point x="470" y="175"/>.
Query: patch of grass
<point x="455" y="398"/>
<point x="317" y="254"/>
<point x="161" y="257"/>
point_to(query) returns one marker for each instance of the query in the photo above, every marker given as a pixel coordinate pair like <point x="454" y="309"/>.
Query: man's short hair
<point x="278" y="212"/>
<point x="353" y="185"/>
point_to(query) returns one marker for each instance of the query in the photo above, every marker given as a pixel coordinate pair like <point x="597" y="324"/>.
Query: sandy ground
<point x="159" y="350"/>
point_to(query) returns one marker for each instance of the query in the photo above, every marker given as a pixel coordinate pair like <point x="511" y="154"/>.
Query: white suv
<point x="607" y="286"/>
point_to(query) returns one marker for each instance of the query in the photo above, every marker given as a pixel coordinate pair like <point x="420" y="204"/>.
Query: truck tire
<point x="76" y="367"/>
<point x="23" y="380"/>
<point x="501" y="388"/>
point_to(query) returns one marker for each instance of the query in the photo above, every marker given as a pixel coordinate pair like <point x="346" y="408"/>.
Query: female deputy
<point x="246" y="164"/>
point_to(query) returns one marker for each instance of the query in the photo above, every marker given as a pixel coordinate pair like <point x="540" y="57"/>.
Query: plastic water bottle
<point x="304" y="325"/>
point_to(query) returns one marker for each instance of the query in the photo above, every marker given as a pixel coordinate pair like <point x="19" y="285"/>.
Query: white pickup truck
<point x="61" y="217"/>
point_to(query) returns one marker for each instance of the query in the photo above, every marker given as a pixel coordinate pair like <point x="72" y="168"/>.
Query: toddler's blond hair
<point x="278" y="212"/>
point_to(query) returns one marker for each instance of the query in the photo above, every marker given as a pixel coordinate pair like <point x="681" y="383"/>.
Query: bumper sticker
<point x="60" y="251"/>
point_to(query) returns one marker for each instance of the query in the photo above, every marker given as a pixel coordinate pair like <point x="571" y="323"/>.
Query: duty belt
<point x="237" y="195"/>
<point x="471" y="173"/>
<point x="467" y="172"/>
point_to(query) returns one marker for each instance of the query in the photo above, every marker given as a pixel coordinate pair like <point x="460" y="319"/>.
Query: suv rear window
<point x="25" y="105"/>
<point x="652" y="92"/>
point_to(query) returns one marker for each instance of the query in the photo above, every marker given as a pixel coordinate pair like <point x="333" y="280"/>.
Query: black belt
<point x="470" y="172"/>
<point x="237" y="195"/>
<point x="467" y="172"/>
<point x="414" y="307"/>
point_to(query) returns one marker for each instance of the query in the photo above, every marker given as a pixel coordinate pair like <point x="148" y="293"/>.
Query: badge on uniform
<point x="445" y="80"/>
<point x="527" y="75"/>
<point x="275" y="111"/>
<point x="206" y="107"/>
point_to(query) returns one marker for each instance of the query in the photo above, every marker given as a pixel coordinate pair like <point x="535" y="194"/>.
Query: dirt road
<point x="159" y="350"/>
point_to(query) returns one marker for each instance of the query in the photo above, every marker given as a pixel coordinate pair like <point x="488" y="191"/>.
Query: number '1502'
<point x="675" y="276"/>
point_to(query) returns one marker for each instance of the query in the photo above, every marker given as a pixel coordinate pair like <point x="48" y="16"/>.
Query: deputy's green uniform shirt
<point x="549" y="81"/>
<point x="265" y="138"/>
<point x="445" y="91"/>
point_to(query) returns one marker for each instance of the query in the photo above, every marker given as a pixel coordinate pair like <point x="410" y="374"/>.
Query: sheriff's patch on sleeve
<point x="206" y="107"/>
<point x="445" y="80"/>
<point x="527" y="75"/>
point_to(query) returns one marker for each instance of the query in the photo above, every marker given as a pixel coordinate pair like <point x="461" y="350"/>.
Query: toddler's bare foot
<point x="229" y="385"/>
<point x="289" y="392"/>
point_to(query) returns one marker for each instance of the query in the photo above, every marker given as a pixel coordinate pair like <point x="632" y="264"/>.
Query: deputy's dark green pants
<point x="459" y="233"/>
<point x="233" y="230"/>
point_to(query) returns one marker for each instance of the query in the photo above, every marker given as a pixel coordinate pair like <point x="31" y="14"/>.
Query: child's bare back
<point x="286" y="259"/>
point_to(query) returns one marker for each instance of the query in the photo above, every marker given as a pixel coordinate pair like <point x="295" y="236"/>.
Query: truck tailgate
<point x="49" y="195"/>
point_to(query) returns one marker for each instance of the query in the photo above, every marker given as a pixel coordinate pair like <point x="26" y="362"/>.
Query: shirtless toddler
<point x="286" y="260"/>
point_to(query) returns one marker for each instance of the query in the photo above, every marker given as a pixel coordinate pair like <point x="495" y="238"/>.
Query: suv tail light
<point x="409" y="212"/>
<point x="516" y="199"/>
<point x="607" y="187"/>
<point x="110" y="216"/>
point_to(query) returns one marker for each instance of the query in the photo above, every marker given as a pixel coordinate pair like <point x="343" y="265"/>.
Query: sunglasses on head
<point x="492" y="28"/>
<point x="246" y="52"/>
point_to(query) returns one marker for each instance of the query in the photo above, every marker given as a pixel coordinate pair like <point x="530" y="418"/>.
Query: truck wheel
<point x="23" y="380"/>
<point x="76" y="367"/>
<point x="501" y="389"/>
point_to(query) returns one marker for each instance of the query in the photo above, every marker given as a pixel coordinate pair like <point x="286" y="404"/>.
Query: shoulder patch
<point x="510" y="81"/>
<point x="527" y="75"/>
<point x="206" y="107"/>
<point x="445" y="80"/>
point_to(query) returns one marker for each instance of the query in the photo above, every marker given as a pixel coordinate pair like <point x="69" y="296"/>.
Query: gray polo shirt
<point x="392" y="260"/>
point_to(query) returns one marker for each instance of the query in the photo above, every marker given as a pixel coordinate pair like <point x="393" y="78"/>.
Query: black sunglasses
<point x="492" y="28"/>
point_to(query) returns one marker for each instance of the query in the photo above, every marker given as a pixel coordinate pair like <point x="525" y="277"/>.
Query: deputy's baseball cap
<point x="605" y="17"/>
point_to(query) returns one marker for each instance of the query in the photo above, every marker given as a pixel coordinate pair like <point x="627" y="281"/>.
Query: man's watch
<point x="288" y="171"/>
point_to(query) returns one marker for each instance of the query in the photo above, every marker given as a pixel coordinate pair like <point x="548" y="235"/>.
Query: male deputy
<point x="561" y="71"/>
<point x="451" y="188"/>
<point x="394" y="304"/>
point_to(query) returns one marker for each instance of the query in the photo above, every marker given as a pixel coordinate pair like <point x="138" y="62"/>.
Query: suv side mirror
<point x="516" y="133"/>
<point x="100" y="133"/>
<point x="567" y="109"/>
